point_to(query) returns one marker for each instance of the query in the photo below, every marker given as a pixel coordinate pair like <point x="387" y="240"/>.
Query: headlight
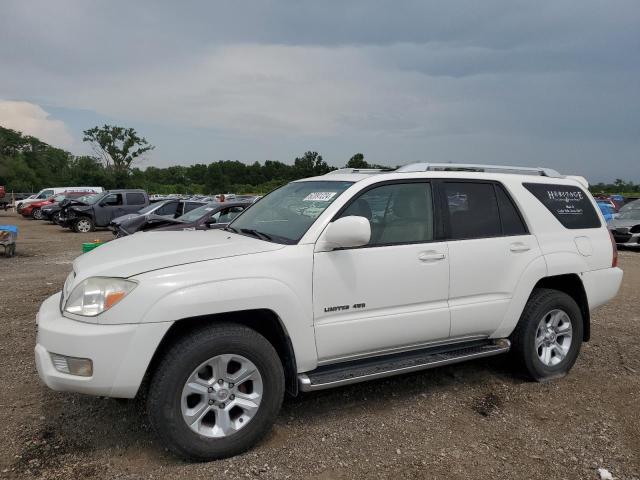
<point x="97" y="294"/>
<point x="635" y="229"/>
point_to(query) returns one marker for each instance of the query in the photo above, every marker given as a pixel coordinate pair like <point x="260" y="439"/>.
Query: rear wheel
<point x="83" y="225"/>
<point x="37" y="214"/>
<point x="216" y="392"/>
<point x="549" y="334"/>
<point x="55" y="218"/>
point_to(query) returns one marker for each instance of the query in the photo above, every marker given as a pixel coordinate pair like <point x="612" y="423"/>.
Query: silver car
<point x="626" y="226"/>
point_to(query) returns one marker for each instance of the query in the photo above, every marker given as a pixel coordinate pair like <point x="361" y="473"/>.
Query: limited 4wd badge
<point x="339" y="308"/>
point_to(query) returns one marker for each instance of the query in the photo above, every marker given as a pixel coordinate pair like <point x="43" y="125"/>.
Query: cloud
<point x="553" y="82"/>
<point x="31" y="119"/>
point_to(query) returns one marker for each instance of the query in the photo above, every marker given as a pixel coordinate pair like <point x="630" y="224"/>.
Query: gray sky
<point x="551" y="83"/>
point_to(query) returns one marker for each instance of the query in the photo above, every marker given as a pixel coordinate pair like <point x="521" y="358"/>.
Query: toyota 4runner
<point x="328" y="281"/>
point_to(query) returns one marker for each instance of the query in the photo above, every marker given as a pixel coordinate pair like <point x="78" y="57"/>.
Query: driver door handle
<point x="431" y="256"/>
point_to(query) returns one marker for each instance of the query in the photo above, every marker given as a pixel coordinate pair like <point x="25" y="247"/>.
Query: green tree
<point x="357" y="161"/>
<point x="118" y="147"/>
<point x="309" y="165"/>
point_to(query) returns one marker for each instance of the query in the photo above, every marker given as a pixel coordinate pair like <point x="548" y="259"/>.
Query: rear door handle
<point x="431" y="256"/>
<point x="519" y="247"/>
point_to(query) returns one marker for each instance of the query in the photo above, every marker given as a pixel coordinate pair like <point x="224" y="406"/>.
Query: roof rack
<point x="471" y="167"/>
<point x="365" y="171"/>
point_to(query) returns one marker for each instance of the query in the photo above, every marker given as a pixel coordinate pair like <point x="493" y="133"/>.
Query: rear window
<point x="135" y="198"/>
<point x="569" y="204"/>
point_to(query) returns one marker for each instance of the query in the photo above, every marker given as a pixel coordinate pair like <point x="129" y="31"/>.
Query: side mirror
<point x="346" y="232"/>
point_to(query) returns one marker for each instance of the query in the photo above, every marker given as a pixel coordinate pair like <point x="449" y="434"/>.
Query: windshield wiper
<point x="231" y="229"/>
<point x="257" y="234"/>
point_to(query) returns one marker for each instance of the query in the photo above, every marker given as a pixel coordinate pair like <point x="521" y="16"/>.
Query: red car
<point x="34" y="209"/>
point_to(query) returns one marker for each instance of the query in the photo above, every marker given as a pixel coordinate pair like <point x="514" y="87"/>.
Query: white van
<point x="47" y="192"/>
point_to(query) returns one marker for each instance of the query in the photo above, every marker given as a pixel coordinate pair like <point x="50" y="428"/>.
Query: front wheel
<point x="37" y="214"/>
<point x="83" y="225"/>
<point x="216" y="392"/>
<point x="549" y="334"/>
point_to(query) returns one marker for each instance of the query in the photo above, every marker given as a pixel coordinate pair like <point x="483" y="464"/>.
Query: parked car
<point x="51" y="212"/>
<point x="34" y="210"/>
<point x="164" y="209"/>
<point x="608" y="212"/>
<point x="98" y="211"/>
<point x="209" y="215"/>
<point x="329" y="281"/>
<point x="625" y="228"/>
<point x="48" y="192"/>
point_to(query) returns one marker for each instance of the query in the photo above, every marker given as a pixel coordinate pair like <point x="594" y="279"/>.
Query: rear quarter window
<point x="570" y="205"/>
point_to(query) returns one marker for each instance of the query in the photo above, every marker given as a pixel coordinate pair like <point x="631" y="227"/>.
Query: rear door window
<point x="471" y="210"/>
<point x="570" y="205"/>
<point x="135" y="198"/>
<point x="169" y="208"/>
<point x="191" y="206"/>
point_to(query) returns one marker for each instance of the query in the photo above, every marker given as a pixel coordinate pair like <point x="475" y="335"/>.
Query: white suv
<point x="327" y="281"/>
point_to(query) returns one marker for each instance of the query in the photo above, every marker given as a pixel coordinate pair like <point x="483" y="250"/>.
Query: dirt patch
<point x="474" y="420"/>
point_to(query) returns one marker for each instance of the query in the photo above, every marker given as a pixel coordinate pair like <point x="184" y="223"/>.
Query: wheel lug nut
<point x="231" y="385"/>
<point x="210" y="389"/>
<point x="211" y="402"/>
<point x="221" y="405"/>
<point x="220" y="382"/>
<point x="231" y="397"/>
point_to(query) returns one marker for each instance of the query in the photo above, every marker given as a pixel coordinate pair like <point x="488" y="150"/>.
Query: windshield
<point x="85" y="198"/>
<point x="58" y="198"/>
<point x="286" y="214"/>
<point x="91" y="199"/>
<point x="630" y="214"/>
<point x="197" y="213"/>
<point x="150" y="207"/>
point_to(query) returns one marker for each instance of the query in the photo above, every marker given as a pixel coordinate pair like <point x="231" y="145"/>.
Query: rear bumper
<point x="601" y="285"/>
<point x="120" y="353"/>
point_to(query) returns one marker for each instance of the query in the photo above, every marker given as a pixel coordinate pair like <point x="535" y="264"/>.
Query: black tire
<point x="181" y="359"/>
<point x="523" y="339"/>
<point x="78" y="225"/>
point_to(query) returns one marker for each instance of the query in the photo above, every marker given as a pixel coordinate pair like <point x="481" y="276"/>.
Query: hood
<point x="123" y="218"/>
<point x="623" y="223"/>
<point x="144" y="252"/>
<point x="138" y="223"/>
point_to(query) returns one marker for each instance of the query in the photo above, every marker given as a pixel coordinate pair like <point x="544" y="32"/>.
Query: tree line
<point x="27" y="165"/>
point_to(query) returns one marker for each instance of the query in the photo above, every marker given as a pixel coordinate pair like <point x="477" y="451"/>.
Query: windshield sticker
<point x="319" y="197"/>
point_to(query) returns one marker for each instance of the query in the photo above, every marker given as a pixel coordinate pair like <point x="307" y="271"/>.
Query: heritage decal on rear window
<point x="569" y="204"/>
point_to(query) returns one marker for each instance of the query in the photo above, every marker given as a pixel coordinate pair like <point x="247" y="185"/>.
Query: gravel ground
<point x="475" y="420"/>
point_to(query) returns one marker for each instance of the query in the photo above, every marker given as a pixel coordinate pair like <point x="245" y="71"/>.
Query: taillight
<point x="614" y="262"/>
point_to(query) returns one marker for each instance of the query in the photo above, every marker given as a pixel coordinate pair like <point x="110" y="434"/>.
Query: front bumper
<point x="120" y="353"/>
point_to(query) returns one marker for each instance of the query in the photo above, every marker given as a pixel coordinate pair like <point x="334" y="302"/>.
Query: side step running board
<point x="338" y="374"/>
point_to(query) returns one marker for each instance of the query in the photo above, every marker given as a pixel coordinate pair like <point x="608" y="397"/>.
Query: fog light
<point x="82" y="367"/>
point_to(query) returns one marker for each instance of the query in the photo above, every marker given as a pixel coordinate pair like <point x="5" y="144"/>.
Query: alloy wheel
<point x="221" y="396"/>
<point x="553" y="337"/>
